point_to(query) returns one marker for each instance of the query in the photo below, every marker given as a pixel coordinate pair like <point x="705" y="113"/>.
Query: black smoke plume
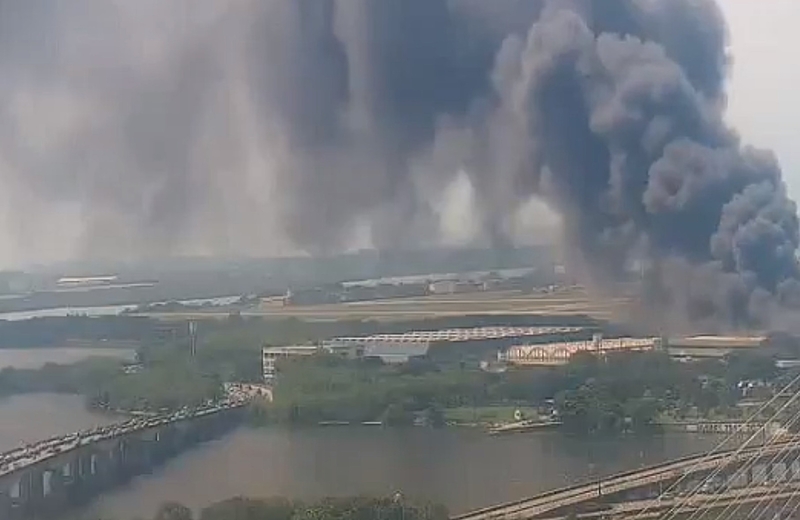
<point x="305" y="119"/>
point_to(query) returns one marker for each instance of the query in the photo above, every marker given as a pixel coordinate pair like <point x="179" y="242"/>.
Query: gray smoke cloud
<point x="260" y="126"/>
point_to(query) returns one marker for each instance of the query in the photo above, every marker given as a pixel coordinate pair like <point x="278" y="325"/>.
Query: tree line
<point x="621" y="391"/>
<point x="344" y="508"/>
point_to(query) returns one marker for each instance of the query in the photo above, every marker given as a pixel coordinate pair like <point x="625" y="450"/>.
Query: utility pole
<point x="193" y="338"/>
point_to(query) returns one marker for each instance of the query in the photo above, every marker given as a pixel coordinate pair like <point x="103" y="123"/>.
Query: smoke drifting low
<point x="180" y="125"/>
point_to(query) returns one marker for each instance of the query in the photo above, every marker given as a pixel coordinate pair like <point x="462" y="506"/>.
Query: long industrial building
<point x="685" y="348"/>
<point x="694" y="347"/>
<point x="461" y="344"/>
<point x="553" y="354"/>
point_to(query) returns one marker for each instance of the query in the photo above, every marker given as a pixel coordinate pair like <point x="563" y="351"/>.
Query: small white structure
<point x="269" y="355"/>
<point x="443" y="287"/>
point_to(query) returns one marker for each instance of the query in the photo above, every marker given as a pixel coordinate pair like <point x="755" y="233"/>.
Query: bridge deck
<point x="21" y="458"/>
<point x="572" y="495"/>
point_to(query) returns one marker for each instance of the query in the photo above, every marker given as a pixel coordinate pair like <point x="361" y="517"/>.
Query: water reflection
<point x="462" y="469"/>
<point x="37" y="357"/>
<point x="35" y="417"/>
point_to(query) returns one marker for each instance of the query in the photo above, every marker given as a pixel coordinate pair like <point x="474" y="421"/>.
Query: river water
<point x="462" y="469"/>
<point x="35" y="417"/>
<point x="105" y="310"/>
<point x="37" y="357"/>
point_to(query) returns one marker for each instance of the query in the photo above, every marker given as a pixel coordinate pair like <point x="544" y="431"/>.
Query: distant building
<point x="314" y="296"/>
<point x="444" y="343"/>
<point x="455" y="286"/>
<point x="787" y="363"/>
<point x="553" y="354"/>
<point x="694" y="347"/>
<point x="443" y="287"/>
<point x="85" y="281"/>
<point x="269" y="355"/>
<point x="132" y="368"/>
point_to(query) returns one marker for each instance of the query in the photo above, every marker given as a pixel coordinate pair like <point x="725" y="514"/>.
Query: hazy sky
<point x="764" y="87"/>
<point x="762" y="106"/>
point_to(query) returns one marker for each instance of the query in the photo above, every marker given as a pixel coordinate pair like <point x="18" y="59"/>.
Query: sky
<point x="763" y="89"/>
<point x="765" y="77"/>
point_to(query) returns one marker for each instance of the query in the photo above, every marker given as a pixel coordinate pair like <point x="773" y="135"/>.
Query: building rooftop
<point x="290" y="349"/>
<point x="394" y="353"/>
<point x="718" y="341"/>
<point x="456" y="335"/>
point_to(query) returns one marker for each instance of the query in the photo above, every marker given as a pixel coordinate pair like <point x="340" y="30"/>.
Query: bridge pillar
<point x="106" y="465"/>
<point x="135" y="455"/>
<point x="120" y="457"/>
<point x="36" y="487"/>
<point x="54" y="494"/>
<point x="25" y="494"/>
<point x="78" y="477"/>
<point x="5" y="503"/>
<point x="166" y="444"/>
<point x="48" y="487"/>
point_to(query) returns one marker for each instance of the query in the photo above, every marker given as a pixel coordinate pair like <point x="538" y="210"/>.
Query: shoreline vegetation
<point x="631" y="392"/>
<point x="395" y="507"/>
<point x="623" y="392"/>
<point x="627" y="392"/>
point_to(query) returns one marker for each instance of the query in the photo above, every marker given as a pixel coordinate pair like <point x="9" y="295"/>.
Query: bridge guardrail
<point x="576" y="490"/>
<point x="73" y="441"/>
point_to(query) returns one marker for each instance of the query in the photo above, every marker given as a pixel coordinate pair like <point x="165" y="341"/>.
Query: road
<point x="22" y="457"/>
<point x="570" y="496"/>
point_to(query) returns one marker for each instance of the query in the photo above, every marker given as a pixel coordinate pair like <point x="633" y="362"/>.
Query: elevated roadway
<point x="44" y="478"/>
<point x="743" y="499"/>
<point x="19" y="458"/>
<point x="646" y="483"/>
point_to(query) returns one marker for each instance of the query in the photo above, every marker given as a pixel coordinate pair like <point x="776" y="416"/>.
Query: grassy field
<point x="486" y="414"/>
<point x="573" y="301"/>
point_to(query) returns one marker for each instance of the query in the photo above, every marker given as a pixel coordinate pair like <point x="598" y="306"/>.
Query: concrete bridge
<point x="775" y="471"/>
<point x="43" y="479"/>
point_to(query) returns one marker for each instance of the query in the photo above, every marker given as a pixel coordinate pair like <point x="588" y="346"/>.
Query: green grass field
<point x="487" y="414"/>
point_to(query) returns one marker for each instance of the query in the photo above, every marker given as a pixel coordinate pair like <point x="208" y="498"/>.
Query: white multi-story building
<point x="269" y="355"/>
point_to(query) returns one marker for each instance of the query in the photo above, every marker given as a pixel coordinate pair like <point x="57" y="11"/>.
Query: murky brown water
<point x="37" y="357"/>
<point x="463" y="469"/>
<point x="34" y="417"/>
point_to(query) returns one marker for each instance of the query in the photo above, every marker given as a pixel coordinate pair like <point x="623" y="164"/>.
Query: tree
<point x="174" y="511"/>
<point x="396" y="415"/>
<point x="758" y="365"/>
<point x="241" y="508"/>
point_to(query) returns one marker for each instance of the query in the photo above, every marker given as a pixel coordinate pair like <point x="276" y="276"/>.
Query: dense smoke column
<point x="632" y="150"/>
<point x="611" y="111"/>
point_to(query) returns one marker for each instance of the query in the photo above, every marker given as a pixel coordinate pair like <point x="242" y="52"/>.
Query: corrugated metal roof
<point x="395" y="350"/>
<point x="455" y="335"/>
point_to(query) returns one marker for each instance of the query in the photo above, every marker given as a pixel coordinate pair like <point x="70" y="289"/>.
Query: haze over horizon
<point x="196" y="127"/>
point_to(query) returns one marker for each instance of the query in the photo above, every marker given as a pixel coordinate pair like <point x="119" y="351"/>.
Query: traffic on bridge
<point x="37" y="452"/>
